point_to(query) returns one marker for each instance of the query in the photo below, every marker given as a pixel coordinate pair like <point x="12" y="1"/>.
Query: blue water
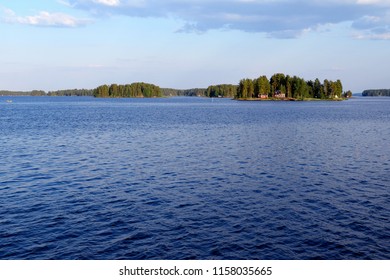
<point x="194" y="178"/>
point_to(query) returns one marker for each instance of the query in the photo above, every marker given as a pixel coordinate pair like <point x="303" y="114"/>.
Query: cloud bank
<point x="276" y="18"/>
<point x="370" y="19"/>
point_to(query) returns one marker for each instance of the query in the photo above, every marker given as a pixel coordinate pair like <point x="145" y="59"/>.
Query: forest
<point x="281" y="86"/>
<point x="183" y="92"/>
<point x="71" y="92"/>
<point x="22" y="93"/>
<point x="129" y="90"/>
<point x="376" y="92"/>
<point x="224" y="90"/>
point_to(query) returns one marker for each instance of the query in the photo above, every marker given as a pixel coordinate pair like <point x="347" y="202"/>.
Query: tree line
<point x="224" y="90"/>
<point x="279" y="86"/>
<point x="287" y="87"/>
<point x="71" y="92"/>
<point x="183" y="92"/>
<point x="376" y="92"/>
<point x="66" y="92"/>
<point x="129" y="90"/>
<point x="146" y="90"/>
<point x="22" y="93"/>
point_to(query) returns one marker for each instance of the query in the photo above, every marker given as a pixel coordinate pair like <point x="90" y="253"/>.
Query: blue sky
<point x="61" y="44"/>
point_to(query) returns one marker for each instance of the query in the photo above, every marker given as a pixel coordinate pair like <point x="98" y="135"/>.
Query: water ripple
<point x="186" y="179"/>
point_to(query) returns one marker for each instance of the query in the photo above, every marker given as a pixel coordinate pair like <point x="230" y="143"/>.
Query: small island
<point x="135" y="90"/>
<point x="285" y="87"/>
<point x="376" y="92"/>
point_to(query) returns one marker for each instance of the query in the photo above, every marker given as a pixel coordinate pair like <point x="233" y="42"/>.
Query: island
<point x="376" y="92"/>
<point x="285" y="87"/>
<point x="130" y="90"/>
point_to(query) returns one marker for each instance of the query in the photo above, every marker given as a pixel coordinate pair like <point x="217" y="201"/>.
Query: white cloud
<point x="373" y="27"/>
<point x="44" y="18"/>
<point x="108" y="2"/>
<point x="276" y="18"/>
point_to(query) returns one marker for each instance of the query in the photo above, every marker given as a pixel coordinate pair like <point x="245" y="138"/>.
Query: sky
<point x="67" y="44"/>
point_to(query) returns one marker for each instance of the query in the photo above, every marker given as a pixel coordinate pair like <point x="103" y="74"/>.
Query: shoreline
<point x="289" y="99"/>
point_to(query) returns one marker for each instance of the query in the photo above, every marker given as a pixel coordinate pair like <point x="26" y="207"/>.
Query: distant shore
<point x="279" y="87"/>
<point x="290" y="99"/>
<point x="376" y="92"/>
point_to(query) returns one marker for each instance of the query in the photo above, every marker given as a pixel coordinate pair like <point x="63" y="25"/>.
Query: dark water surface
<point x="193" y="178"/>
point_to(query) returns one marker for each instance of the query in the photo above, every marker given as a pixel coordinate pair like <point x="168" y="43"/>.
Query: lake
<point x="194" y="178"/>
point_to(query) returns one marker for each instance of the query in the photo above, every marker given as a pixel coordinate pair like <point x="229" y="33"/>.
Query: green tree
<point x="261" y="86"/>
<point x="128" y="90"/>
<point x="310" y="88"/>
<point x="113" y="91"/>
<point x="299" y="88"/>
<point x="277" y="82"/>
<point x="250" y="87"/>
<point x="327" y="89"/>
<point x="245" y="89"/>
<point x="101" y="91"/>
<point x="318" y="89"/>
<point x="347" y="94"/>
<point x="221" y="91"/>
<point x="288" y="83"/>
<point x="338" y="89"/>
